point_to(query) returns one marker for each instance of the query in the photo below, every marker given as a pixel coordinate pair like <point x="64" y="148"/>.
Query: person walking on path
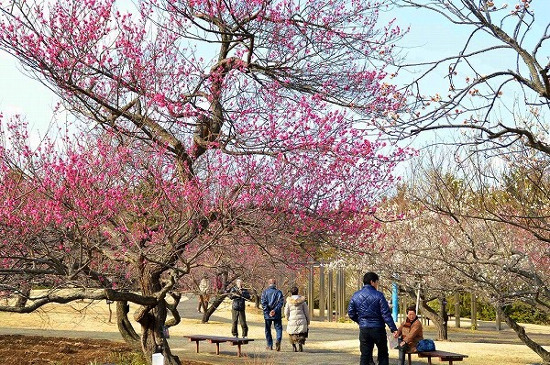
<point x="369" y="308"/>
<point x="272" y="304"/>
<point x="204" y="293"/>
<point x="297" y="314"/>
<point x="411" y="333"/>
<point x="239" y="296"/>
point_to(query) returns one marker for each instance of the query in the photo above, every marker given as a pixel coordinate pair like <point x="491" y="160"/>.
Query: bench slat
<point x="219" y="339"/>
<point x="442" y="355"/>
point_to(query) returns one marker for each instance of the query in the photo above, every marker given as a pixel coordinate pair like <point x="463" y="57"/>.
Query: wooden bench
<point x="442" y="355"/>
<point x="219" y="339"/>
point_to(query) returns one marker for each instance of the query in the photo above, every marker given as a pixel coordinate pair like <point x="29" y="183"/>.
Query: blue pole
<point x="394" y="301"/>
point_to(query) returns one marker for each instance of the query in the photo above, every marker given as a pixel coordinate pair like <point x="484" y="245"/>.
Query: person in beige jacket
<point x="410" y="333"/>
<point x="297" y="314"/>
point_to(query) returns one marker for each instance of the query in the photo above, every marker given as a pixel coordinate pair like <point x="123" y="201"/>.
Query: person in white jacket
<point x="297" y="314"/>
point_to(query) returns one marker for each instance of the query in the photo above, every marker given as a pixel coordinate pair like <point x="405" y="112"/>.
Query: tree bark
<point x="153" y="318"/>
<point x="442" y="331"/>
<point x="457" y="310"/>
<point x="438" y="320"/>
<point x="125" y="327"/>
<point x="218" y="299"/>
<point x="473" y="316"/>
<point x="520" y="331"/>
<point x="23" y="298"/>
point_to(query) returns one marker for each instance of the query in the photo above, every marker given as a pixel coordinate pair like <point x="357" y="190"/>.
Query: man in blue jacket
<point x="272" y="304"/>
<point x="369" y="308"/>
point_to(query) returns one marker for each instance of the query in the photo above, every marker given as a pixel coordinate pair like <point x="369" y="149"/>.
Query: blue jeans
<point x="278" y="324"/>
<point x="368" y="337"/>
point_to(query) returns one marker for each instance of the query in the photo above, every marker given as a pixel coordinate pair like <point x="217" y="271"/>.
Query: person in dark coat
<point x="239" y="296"/>
<point x="369" y="308"/>
<point x="272" y="304"/>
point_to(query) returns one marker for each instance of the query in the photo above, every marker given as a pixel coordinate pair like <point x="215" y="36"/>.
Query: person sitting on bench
<point x="409" y="334"/>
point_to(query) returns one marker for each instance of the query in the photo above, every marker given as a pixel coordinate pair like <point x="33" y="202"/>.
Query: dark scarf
<point x="409" y="323"/>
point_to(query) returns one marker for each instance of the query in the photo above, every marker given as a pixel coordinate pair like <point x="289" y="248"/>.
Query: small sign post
<point x="158" y="359"/>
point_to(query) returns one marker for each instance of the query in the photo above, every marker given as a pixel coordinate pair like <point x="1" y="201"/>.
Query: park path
<point x="324" y="345"/>
<point x="329" y="343"/>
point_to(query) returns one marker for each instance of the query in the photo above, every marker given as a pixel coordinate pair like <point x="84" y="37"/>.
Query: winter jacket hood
<point x="296" y="299"/>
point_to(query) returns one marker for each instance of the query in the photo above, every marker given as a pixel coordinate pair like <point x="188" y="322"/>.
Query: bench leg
<point x="409" y="356"/>
<point x="239" y="350"/>
<point x="197" y="343"/>
<point x="217" y="348"/>
<point x="429" y="361"/>
<point x="450" y="362"/>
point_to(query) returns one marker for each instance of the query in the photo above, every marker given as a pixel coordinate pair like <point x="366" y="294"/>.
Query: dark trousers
<point x="239" y="316"/>
<point x="278" y="324"/>
<point x="368" y="337"/>
<point x="402" y="353"/>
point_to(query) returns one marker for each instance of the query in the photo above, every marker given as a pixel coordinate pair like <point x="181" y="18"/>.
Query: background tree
<point x="496" y="93"/>
<point x="224" y="112"/>
<point x="412" y="246"/>
<point x="492" y="225"/>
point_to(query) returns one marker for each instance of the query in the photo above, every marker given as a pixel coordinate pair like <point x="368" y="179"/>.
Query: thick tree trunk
<point x="125" y="327"/>
<point x="457" y="310"/>
<point x="520" y="331"/>
<point x="442" y="331"/>
<point x="256" y="298"/>
<point x="153" y="319"/>
<point x="439" y="321"/>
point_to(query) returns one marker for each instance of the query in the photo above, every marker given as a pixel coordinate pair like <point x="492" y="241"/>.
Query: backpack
<point x="425" y="345"/>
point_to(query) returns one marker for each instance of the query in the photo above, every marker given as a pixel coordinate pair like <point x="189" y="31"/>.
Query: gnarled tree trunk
<point x="125" y="327"/>
<point x="153" y="319"/>
<point x="439" y="320"/>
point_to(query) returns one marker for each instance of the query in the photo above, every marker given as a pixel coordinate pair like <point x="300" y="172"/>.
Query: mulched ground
<point x="37" y="350"/>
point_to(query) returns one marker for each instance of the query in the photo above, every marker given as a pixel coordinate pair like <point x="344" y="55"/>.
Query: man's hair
<point x="411" y="308"/>
<point x="370" y="276"/>
<point x="294" y="290"/>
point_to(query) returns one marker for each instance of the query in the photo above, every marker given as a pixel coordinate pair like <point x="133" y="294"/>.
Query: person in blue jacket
<point x="272" y="304"/>
<point x="369" y="308"/>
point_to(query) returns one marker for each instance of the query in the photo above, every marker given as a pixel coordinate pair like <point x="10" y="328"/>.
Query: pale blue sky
<point x="23" y="95"/>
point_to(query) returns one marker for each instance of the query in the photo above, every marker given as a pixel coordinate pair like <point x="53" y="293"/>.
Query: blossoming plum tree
<point x="472" y="227"/>
<point x="219" y="119"/>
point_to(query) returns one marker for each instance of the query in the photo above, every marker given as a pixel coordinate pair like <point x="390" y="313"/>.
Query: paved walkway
<point x="324" y="345"/>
